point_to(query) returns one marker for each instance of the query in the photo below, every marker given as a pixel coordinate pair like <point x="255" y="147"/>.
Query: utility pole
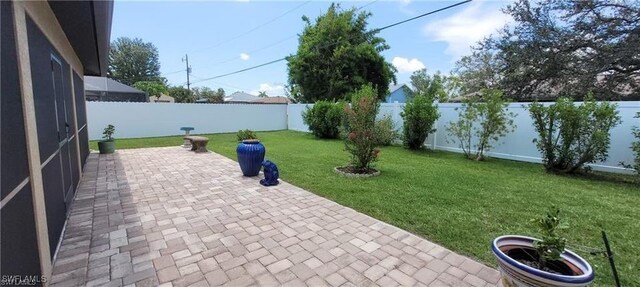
<point x="186" y="59"/>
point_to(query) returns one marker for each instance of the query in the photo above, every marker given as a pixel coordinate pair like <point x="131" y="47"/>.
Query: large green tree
<point x="563" y="48"/>
<point x="436" y="86"/>
<point x="133" y="60"/>
<point x="152" y="88"/>
<point x="336" y="55"/>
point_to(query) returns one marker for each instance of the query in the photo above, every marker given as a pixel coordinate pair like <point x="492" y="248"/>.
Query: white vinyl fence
<point x="517" y="145"/>
<point x="137" y="120"/>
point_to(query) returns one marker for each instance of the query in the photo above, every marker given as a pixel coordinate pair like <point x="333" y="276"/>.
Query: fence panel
<point x="135" y="120"/>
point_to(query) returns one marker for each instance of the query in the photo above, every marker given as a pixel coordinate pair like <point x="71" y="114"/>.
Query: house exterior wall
<point x="398" y="95"/>
<point x="34" y="175"/>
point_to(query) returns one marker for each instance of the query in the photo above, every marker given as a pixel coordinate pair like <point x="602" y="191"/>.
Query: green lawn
<point x="459" y="203"/>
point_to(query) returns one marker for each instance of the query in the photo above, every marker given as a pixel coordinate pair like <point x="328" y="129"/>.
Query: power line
<point x="423" y="15"/>
<point x="334" y="43"/>
<point x="254" y="28"/>
<point x="174" y="72"/>
<point x="365" y="5"/>
<point x="243" y="70"/>
<point x="230" y="59"/>
<point x="235" y="58"/>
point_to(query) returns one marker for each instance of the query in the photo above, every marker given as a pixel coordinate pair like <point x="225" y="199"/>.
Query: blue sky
<point x="222" y="37"/>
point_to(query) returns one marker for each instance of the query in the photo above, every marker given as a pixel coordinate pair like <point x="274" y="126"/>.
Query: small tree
<point x="262" y="94"/>
<point x="152" y="88"/>
<point x="181" y="95"/>
<point x="324" y="119"/>
<point x="552" y="244"/>
<point x="485" y="122"/>
<point x="386" y="130"/>
<point x="419" y="116"/>
<point x="570" y="135"/>
<point x="361" y="138"/>
<point x="107" y="133"/>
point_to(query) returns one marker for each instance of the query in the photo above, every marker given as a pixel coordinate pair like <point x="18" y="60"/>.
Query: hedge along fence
<point x="517" y="145"/>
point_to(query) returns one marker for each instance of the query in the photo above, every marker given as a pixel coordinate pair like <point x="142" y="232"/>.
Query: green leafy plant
<point x="419" y="115"/>
<point x="551" y="246"/>
<point x="246" y="135"/>
<point x="386" y="130"/>
<point x="324" y="119"/>
<point x="481" y="123"/>
<point x="152" y="88"/>
<point x="108" y="132"/>
<point x="330" y="72"/>
<point x="361" y="138"/>
<point x="635" y="147"/>
<point x="571" y="135"/>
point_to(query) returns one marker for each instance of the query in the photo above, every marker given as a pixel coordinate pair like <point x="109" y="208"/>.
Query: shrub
<point x="360" y="135"/>
<point x="386" y="129"/>
<point x="481" y="124"/>
<point x="324" y="119"/>
<point x="419" y="115"/>
<point x="551" y="246"/>
<point x="107" y="133"/>
<point x="246" y="135"/>
<point x="569" y="135"/>
<point x="635" y="147"/>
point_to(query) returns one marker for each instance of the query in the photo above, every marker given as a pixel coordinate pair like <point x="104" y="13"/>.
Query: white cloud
<point x="272" y="90"/>
<point x="244" y="56"/>
<point x="405" y="65"/>
<point x="465" y="28"/>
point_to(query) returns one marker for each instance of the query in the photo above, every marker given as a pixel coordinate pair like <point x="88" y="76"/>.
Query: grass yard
<point x="458" y="203"/>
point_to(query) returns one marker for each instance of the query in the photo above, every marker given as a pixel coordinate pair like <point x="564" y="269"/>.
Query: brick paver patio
<point x="169" y="217"/>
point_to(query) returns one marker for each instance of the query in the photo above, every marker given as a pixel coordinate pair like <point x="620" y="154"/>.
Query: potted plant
<point x="250" y="153"/>
<point x="528" y="261"/>
<point x="107" y="145"/>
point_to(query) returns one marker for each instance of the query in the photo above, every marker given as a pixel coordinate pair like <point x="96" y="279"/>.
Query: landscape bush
<point x="635" y="147"/>
<point x="246" y="135"/>
<point x="419" y="115"/>
<point x="386" y="130"/>
<point x="361" y="137"/>
<point x="482" y="121"/>
<point x="324" y="119"/>
<point x="572" y="135"/>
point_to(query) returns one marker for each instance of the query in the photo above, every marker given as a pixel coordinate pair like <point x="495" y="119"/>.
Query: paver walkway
<point x="169" y="217"/>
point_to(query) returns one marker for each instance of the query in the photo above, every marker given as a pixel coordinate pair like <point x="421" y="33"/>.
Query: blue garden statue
<point x="270" y="173"/>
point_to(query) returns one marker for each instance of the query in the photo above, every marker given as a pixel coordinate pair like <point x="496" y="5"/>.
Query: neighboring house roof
<point x="104" y="84"/>
<point x="240" y="97"/>
<point x="273" y="100"/>
<point x="163" y="99"/>
<point x="396" y="87"/>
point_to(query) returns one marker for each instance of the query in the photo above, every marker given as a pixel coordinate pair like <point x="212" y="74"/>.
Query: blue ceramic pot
<point x="250" y="156"/>
<point x="514" y="273"/>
